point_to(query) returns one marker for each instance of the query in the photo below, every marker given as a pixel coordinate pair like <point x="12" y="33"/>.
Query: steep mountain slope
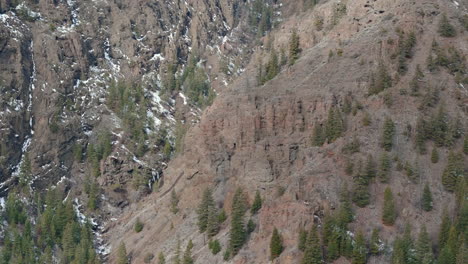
<point x="362" y="62"/>
<point x="110" y="132"/>
<point x="98" y="93"/>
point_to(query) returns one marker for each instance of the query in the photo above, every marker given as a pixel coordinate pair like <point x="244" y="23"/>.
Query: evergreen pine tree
<point x="122" y="257"/>
<point x="302" y="239"/>
<point x="25" y="171"/>
<point x="444" y="230"/>
<point x="318" y="137"/>
<point x="446" y="256"/>
<point x="294" y="48"/>
<point x="389" y="213"/>
<point x="138" y="225"/>
<point x="257" y="203"/>
<point x="374" y="242"/>
<point x="384" y="168"/>
<point x="465" y="145"/>
<point x="434" y="155"/>
<point x="313" y="251"/>
<point x="345" y="212"/>
<point x="176" y="259"/>
<point x="426" y="200"/>
<point x="453" y="171"/>
<point x="272" y="68"/>
<point x="238" y="233"/>
<point x="462" y="254"/>
<point x="359" y="250"/>
<point x="276" y="245"/>
<point x="370" y="171"/>
<point x="334" y="127"/>
<point x="161" y="258"/>
<point x="188" y="254"/>
<point x="204" y="210"/>
<point x="361" y="196"/>
<point x="423" y="248"/>
<point x="388" y="134"/>
<point x="212" y="221"/>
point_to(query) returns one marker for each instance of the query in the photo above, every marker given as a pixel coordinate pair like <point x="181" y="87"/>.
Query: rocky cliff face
<point x="60" y="59"/>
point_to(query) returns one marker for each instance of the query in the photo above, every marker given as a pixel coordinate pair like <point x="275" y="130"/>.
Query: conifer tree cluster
<point x="55" y="234"/>
<point x="336" y="240"/>
<point x="98" y="151"/>
<point x="128" y="101"/>
<point x="406" y="45"/>
<point x="333" y="129"/>
<point x="270" y="70"/>
<point x="440" y="128"/>
<point x="380" y="80"/>
<point x="260" y="17"/>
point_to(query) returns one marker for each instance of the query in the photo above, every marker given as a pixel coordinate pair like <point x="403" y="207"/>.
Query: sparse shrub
<point x="352" y="147"/>
<point x="349" y="167"/>
<point x="214" y="246"/>
<point x="138" y="227"/>
<point x="445" y="28"/>
<point x="148" y="257"/>
<point x="280" y="190"/>
<point x="464" y="21"/>
<point x="366" y="120"/>
<point x="339" y="10"/>
<point x="318" y="23"/>
<point x="222" y="216"/>
<point x="174" y="202"/>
